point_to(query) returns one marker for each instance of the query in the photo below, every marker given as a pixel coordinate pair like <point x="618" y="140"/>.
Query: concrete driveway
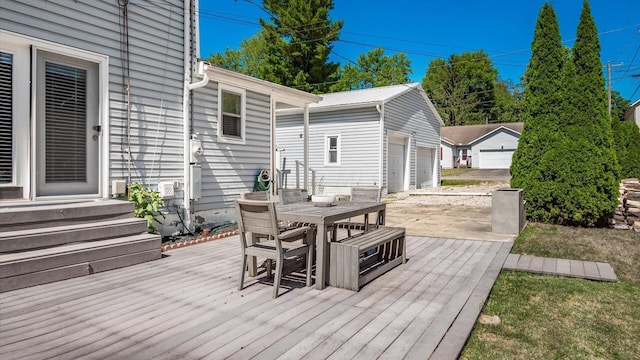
<point x="444" y="221"/>
<point x="483" y="174"/>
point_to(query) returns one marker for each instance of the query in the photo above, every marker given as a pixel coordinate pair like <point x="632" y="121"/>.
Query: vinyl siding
<point x="156" y="68"/>
<point x="409" y="114"/>
<point x="359" y="131"/>
<point x="447" y="156"/>
<point x="501" y="139"/>
<point x="229" y="169"/>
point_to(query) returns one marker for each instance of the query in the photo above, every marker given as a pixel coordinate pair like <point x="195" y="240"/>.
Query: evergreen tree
<point x="541" y="109"/>
<point x="626" y="136"/>
<point x="299" y="37"/>
<point x="586" y="124"/>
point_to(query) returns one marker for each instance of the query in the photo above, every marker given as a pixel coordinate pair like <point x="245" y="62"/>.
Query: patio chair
<point x="256" y="195"/>
<point x="291" y="196"/>
<point x="259" y="217"/>
<point x="361" y="194"/>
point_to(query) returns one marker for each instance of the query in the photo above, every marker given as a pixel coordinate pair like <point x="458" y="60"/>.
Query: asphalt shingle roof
<point x="465" y="134"/>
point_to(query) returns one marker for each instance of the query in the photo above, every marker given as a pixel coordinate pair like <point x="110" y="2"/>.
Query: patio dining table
<point x="323" y="217"/>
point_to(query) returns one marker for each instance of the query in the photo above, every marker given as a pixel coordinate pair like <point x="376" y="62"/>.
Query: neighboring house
<point x="633" y="113"/>
<point x="386" y="137"/>
<point x="487" y="146"/>
<point x="99" y="97"/>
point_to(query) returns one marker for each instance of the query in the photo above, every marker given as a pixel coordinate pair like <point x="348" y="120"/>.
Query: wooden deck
<point x="187" y="306"/>
<point x="563" y="267"/>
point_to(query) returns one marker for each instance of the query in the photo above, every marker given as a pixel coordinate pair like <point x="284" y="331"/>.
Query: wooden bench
<point x="361" y="258"/>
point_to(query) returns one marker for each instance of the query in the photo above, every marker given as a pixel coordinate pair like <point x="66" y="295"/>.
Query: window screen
<point x="231" y="114"/>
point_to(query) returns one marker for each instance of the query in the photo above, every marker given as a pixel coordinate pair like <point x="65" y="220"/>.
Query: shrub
<point x="147" y="204"/>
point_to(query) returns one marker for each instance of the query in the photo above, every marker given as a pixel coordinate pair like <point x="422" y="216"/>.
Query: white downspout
<point x="186" y="116"/>
<point x="380" y="108"/>
<point x="186" y="126"/>
<point x="306" y="149"/>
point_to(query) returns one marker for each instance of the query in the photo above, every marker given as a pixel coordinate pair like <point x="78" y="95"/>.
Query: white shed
<point x="387" y="136"/>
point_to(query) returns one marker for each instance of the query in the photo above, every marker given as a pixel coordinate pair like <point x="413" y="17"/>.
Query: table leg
<point x="381" y="217"/>
<point x="252" y="264"/>
<point x="321" y="260"/>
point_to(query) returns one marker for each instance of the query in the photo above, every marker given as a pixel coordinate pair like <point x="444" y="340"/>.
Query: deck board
<point x="187" y="305"/>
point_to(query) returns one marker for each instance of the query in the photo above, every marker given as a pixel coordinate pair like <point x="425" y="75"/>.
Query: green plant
<point x="147" y="204"/>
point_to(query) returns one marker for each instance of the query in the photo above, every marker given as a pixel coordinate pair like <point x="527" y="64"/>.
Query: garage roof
<point x="467" y="134"/>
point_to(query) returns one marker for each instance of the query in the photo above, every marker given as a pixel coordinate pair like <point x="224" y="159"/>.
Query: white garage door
<point x="495" y="159"/>
<point x="395" y="166"/>
<point x="424" y="167"/>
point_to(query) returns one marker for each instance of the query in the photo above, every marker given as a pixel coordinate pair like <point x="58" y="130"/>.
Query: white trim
<point x="22" y="42"/>
<point x="243" y="114"/>
<point x="327" y="138"/>
<point x="490" y="133"/>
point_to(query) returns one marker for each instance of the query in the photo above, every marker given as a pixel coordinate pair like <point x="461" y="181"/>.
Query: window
<point x="6" y="118"/>
<point x="231" y="113"/>
<point x="332" y="156"/>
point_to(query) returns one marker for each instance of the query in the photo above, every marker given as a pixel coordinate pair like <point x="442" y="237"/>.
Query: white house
<point x="386" y="137"/>
<point x="93" y="105"/>
<point x="633" y="113"/>
<point x="486" y="146"/>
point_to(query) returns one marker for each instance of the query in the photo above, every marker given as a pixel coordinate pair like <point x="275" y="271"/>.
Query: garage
<point x="395" y="164"/>
<point x="424" y="167"/>
<point x="495" y="159"/>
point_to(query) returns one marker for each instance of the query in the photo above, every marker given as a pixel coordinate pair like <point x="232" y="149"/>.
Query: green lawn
<point x="453" y="172"/>
<point x="550" y="317"/>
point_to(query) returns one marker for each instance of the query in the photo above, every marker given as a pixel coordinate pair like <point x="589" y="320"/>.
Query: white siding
<point x="501" y="139"/>
<point x="409" y="114"/>
<point x="156" y="46"/>
<point x="359" y="132"/>
<point x="229" y="169"/>
<point x="447" y="156"/>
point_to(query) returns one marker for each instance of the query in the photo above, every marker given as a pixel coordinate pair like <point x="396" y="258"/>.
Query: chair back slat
<point x="258" y="217"/>
<point x="365" y="194"/>
<point x="256" y="195"/>
<point x="290" y="196"/>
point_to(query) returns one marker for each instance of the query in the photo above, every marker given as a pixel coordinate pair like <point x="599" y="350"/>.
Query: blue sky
<point x="429" y="29"/>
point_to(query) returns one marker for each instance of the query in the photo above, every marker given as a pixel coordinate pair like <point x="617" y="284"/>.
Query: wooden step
<point x="21" y="240"/>
<point x="22" y="269"/>
<point x="40" y="215"/>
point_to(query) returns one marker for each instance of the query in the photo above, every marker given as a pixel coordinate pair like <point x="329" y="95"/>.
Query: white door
<point x="495" y="159"/>
<point x="67" y="123"/>
<point x="424" y="167"/>
<point x="395" y="166"/>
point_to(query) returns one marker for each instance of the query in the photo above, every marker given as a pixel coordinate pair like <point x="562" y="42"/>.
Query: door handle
<point x="97" y="128"/>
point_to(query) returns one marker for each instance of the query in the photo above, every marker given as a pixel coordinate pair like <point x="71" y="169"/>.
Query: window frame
<point x="222" y="88"/>
<point x="327" y="149"/>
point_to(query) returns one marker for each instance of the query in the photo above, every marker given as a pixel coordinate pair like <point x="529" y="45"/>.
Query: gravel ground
<point x="427" y="197"/>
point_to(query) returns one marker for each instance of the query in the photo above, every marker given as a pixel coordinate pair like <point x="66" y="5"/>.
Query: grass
<point x="546" y="317"/>
<point x="449" y="182"/>
<point x="453" y="172"/>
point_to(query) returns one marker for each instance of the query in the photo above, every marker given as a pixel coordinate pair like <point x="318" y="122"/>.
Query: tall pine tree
<point x="542" y="106"/>
<point x="299" y="35"/>
<point x="590" y="164"/>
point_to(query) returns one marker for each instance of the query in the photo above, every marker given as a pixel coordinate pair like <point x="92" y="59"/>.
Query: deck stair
<point x="42" y="243"/>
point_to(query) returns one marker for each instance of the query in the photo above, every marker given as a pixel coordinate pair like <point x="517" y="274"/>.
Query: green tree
<point x="541" y="109"/>
<point x="626" y="137"/>
<point x="374" y="69"/>
<point x="508" y="102"/>
<point x="591" y="125"/>
<point x="462" y="87"/>
<point x="299" y="37"/>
